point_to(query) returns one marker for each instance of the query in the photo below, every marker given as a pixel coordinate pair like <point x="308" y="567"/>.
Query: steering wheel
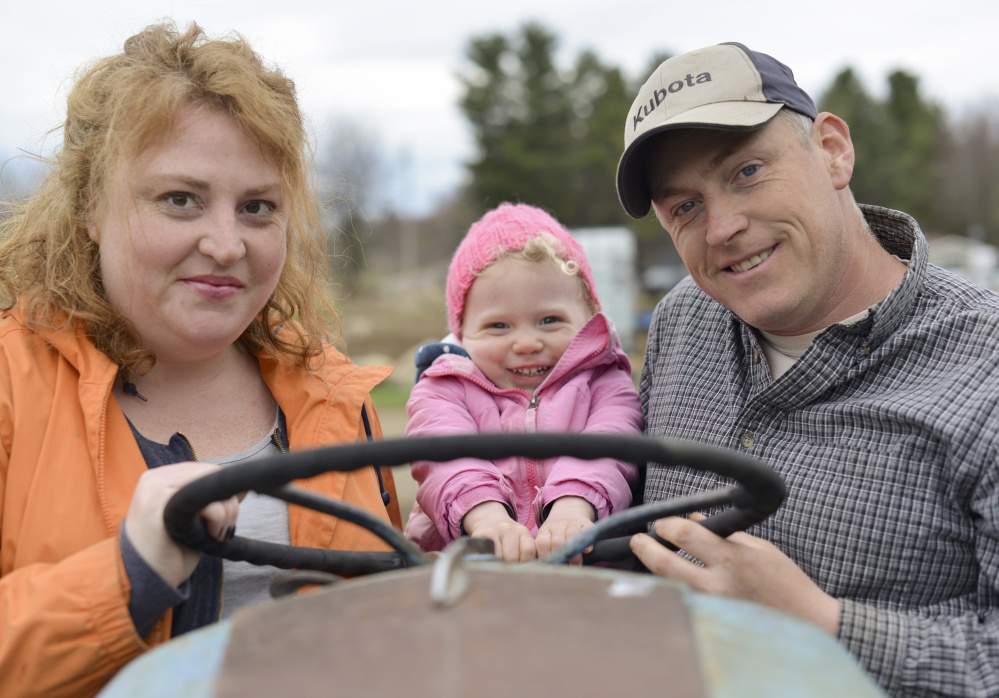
<point x="758" y="493"/>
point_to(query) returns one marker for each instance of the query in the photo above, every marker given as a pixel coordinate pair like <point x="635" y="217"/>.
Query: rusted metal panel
<point x="519" y="630"/>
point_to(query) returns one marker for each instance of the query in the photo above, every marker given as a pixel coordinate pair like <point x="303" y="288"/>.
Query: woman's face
<point x="193" y="238"/>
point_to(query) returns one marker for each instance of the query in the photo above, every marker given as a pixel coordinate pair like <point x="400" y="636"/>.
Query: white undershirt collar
<point x="782" y="351"/>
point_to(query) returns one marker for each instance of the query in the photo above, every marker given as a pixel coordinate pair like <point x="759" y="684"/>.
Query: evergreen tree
<point x="897" y="142"/>
<point x="545" y="136"/>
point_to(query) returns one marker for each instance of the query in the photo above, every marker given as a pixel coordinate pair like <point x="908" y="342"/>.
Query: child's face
<point x="519" y="319"/>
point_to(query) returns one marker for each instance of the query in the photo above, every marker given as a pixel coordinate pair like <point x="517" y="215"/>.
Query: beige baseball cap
<point x="726" y="87"/>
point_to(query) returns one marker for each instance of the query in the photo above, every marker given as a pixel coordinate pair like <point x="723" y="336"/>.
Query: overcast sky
<point x="390" y="64"/>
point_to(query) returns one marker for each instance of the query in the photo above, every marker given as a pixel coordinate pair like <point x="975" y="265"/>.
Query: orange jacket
<point x="68" y="465"/>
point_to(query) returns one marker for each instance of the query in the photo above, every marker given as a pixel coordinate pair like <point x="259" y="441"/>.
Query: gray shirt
<point x="887" y="435"/>
<point x="264" y="518"/>
<point x="260" y="518"/>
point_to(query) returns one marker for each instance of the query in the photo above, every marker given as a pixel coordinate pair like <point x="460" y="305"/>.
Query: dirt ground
<point x="389" y="315"/>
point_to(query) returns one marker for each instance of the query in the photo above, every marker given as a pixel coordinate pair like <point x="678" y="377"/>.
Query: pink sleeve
<point x="438" y="406"/>
<point x="615" y="408"/>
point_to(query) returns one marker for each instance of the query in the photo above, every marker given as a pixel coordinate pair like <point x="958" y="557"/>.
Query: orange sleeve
<point x="65" y="629"/>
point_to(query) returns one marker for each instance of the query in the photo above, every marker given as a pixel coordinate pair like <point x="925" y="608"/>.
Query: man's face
<point x="758" y="220"/>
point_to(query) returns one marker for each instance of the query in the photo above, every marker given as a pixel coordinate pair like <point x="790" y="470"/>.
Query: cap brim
<point x="632" y="187"/>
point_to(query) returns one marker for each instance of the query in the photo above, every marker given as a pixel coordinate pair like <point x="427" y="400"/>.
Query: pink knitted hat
<point x="504" y="229"/>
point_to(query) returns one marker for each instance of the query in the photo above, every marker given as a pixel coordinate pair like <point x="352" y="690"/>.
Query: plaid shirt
<point x="887" y="435"/>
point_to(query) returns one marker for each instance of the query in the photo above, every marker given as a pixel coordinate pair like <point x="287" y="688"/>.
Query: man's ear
<point x="833" y="136"/>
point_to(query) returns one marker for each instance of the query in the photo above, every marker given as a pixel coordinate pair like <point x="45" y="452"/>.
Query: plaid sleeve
<point x="911" y="655"/>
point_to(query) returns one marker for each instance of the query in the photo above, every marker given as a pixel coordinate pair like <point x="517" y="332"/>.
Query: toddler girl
<point x="532" y="353"/>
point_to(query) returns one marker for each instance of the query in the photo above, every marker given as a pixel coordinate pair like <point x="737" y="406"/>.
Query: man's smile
<point x="748" y="264"/>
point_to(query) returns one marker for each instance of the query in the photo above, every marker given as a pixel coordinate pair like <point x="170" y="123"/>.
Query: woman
<point x="151" y="285"/>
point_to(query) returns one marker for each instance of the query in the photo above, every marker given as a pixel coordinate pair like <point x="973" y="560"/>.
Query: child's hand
<point x="513" y="540"/>
<point x="569" y="516"/>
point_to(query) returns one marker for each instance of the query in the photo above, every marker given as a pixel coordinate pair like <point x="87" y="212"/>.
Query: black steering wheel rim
<point x="758" y="492"/>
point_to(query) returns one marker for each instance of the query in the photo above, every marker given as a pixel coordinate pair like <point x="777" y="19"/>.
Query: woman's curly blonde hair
<point x="118" y="107"/>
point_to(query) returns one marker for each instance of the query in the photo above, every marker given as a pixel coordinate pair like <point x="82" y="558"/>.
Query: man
<point x="813" y="334"/>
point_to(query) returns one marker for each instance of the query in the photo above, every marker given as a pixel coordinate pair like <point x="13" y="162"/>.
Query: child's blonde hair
<point x="542" y="249"/>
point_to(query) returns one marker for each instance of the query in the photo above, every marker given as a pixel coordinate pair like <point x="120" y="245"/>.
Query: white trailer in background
<point x="613" y="255"/>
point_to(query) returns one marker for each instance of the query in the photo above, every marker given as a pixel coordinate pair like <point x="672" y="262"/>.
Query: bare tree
<point x="351" y="171"/>
<point x="970" y="191"/>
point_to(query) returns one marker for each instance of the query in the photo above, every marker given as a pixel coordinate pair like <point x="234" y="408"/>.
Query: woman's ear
<point x="92" y="229"/>
<point x="833" y="136"/>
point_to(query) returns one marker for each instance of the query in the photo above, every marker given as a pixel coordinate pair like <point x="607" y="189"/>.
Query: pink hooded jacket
<point x="589" y="390"/>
